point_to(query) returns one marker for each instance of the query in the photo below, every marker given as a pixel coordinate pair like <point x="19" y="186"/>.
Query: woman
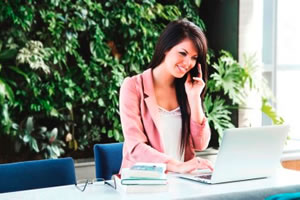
<point x="161" y="110"/>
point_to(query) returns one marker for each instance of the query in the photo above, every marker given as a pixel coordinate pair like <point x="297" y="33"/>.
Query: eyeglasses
<point x="82" y="184"/>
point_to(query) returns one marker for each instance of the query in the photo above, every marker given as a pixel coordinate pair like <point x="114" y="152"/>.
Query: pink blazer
<point x="139" y="118"/>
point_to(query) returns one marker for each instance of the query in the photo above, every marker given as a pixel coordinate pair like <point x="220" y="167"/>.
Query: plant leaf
<point x="29" y="124"/>
<point x="5" y="90"/>
<point x="33" y="144"/>
<point x="268" y="109"/>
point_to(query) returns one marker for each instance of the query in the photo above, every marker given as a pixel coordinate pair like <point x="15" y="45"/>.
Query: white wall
<point x="250" y="43"/>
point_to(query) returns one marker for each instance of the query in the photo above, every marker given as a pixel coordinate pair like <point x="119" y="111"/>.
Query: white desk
<point x="178" y="189"/>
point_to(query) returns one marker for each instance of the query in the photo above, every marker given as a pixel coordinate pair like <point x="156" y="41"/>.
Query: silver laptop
<point x="246" y="153"/>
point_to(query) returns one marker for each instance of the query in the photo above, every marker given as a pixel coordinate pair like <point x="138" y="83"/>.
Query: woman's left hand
<point x="194" y="86"/>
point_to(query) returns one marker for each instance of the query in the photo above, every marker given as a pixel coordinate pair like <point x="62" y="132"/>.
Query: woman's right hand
<point x="204" y="164"/>
<point x="189" y="166"/>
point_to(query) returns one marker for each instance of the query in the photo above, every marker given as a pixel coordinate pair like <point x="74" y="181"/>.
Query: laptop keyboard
<point x="208" y="177"/>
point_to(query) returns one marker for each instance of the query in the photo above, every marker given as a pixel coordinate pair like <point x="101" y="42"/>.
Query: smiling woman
<point x="161" y="110"/>
<point x="183" y="57"/>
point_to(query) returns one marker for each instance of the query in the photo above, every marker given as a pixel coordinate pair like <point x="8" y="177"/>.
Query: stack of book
<point x="143" y="177"/>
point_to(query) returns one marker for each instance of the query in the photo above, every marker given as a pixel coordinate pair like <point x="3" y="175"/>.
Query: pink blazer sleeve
<point x="200" y="134"/>
<point x="137" y="147"/>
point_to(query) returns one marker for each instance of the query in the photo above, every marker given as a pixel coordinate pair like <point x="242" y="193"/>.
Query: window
<point x="281" y="58"/>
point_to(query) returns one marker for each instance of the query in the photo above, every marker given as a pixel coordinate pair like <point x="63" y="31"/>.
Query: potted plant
<point x="228" y="88"/>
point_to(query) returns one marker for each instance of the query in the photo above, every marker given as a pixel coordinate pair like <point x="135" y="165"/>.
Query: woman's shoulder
<point x="131" y="81"/>
<point x="135" y="80"/>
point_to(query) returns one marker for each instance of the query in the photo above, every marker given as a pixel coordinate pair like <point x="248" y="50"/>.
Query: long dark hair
<point x="173" y="34"/>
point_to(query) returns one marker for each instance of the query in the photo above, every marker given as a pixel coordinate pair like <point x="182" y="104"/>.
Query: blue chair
<point x="36" y="174"/>
<point x="108" y="158"/>
<point x="284" y="196"/>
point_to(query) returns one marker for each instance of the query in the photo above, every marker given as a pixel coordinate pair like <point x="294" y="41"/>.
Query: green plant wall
<point x="62" y="63"/>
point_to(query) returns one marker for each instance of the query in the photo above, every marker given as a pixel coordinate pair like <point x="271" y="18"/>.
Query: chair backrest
<point x="36" y="174"/>
<point x="284" y="196"/>
<point x="108" y="158"/>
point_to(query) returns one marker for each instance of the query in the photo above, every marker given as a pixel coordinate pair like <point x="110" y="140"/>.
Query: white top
<point x="170" y="132"/>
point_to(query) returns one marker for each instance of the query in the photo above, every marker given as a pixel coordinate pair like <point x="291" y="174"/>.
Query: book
<point x="127" y="178"/>
<point x="141" y="188"/>
<point x="147" y="170"/>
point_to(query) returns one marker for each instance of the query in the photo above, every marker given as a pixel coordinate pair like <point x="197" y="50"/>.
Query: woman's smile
<point x="182" y="69"/>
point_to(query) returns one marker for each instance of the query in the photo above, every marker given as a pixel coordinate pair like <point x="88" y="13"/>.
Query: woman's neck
<point x="162" y="78"/>
<point x="164" y="88"/>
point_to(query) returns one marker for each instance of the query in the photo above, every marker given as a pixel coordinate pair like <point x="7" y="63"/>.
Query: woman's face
<point x="181" y="58"/>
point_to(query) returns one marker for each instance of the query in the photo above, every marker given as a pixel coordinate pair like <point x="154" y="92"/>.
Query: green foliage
<point x="62" y="64"/>
<point x="42" y="140"/>
<point x="268" y="109"/>
<point x="218" y="114"/>
<point x="229" y="77"/>
<point x="233" y="81"/>
<point x="226" y="81"/>
<point x="33" y="54"/>
<point x="255" y="82"/>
